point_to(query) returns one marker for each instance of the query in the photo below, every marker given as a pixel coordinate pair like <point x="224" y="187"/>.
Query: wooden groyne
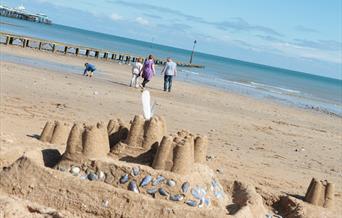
<point x="63" y="48"/>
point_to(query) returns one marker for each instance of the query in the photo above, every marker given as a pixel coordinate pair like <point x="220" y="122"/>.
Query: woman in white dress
<point x="136" y="68"/>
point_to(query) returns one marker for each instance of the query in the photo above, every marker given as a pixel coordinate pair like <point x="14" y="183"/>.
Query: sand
<point x="273" y="148"/>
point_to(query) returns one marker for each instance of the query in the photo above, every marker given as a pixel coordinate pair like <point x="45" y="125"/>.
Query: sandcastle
<point x="146" y="133"/>
<point x="171" y="166"/>
<point x="178" y="153"/>
<point x="320" y="193"/>
<point x="55" y="132"/>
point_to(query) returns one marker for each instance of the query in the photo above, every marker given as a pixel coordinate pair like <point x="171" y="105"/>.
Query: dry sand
<point x="275" y="148"/>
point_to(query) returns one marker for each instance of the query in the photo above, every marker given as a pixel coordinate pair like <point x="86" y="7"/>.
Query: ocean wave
<point x="276" y="88"/>
<point x="188" y="71"/>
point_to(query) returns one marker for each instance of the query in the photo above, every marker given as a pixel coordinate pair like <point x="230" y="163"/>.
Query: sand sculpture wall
<point x="178" y="153"/>
<point x="55" y="132"/>
<point x="320" y="193"/>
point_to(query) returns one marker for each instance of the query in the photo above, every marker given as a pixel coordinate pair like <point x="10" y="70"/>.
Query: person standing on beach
<point x="148" y="71"/>
<point x="136" y="68"/>
<point x="170" y="70"/>
<point x="89" y="68"/>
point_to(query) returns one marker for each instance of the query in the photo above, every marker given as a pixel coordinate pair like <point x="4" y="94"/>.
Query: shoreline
<point x="32" y="57"/>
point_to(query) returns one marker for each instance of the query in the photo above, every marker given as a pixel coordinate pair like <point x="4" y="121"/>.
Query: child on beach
<point x="136" y="68"/>
<point x="148" y="71"/>
<point x="89" y="69"/>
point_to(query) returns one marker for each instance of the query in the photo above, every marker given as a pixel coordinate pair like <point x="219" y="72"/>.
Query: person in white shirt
<point x="170" y="70"/>
<point x="136" y="68"/>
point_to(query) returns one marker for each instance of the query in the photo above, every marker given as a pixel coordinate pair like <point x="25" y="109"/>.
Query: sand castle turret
<point x="320" y="193"/>
<point x="60" y="133"/>
<point x="96" y="141"/>
<point x="146" y="133"/>
<point x="163" y="157"/>
<point x="178" y="153"/>
<point x="47" y="132"/>
<point x="200" y="149"/>
<point x="183" y="156"/>
<point x="117" y="131"/>
<point x="55" y="132"/>
<point x="74" y="146"/>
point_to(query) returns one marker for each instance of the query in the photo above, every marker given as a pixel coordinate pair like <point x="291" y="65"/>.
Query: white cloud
<point x="115" y="17"/>
<point x="142" y="21"/>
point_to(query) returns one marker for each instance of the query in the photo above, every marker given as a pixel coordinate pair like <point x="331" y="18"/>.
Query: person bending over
<point x="89" y="69"/>
<point x="169" y="71"/>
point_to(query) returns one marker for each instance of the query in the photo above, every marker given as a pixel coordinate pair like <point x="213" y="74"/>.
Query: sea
<point x="284" y="86"/>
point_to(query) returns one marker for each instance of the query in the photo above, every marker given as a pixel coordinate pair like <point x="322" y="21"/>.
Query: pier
<point x="76" y="50"/>
<point x="21" y="13"/>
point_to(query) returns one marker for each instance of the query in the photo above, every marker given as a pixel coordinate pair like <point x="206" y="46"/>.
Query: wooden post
<point x="24" y="43"/>
<point x="128" y="59"/>
<point x="87" y="53"/>
<point x="27" y="43"/>
<point x="40" y="46"/>
<point x="53" y="48"/>
<point x="11" y="41"/>
<point x="105" y="55"/>
<point x="77" y="51"/>
<point x="7" y="40"/>
<point x="97" y="54"/>
<point x="66" y="49"/>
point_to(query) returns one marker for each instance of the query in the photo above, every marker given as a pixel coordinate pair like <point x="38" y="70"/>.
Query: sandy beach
<point x="277" y="149"/>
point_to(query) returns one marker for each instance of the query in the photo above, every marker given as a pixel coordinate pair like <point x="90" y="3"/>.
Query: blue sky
<point x="303" y="35"/>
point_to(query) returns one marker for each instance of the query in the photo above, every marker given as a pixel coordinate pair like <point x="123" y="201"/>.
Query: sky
<point x="302" y="35"/>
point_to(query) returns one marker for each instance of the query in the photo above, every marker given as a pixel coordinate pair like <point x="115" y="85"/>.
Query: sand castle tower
<point x="55" y="132"/>
<point x="163" y="158"/>
<point x="320" y="193"/>
<point x="183" y="156"/>
<point x="146" y="133"/>
<point x="178" y="153"/>
<point x="96" y="141"/>
<point x="87" y="142"/>
<point x="117" y="131"/>
<point x="47" y="132"/>
<point x="74" y="146"/>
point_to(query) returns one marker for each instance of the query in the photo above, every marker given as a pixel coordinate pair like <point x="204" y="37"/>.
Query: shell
<point x="92" y="177"/>
<point x="191" y="203"/>
<point x="204" y="201"/>
<point x="218" y="194"/>
<point x="135" y="171"/>
<point x="84" y="176"/>
<point x="124" y="179"/>
<point x="152" y="191"/>
<point x="171" y="182"/>
<point x="207" y="201"/>
<point x="146" y="181"/>
<point x="163" y="192"/>
<point x="198" y="192"/>
<point x="75" y="170"/>
<point x="158" y="180"/>
<point x="101" y="175"/>
<point x="132" y="186"/>
<point x="185" y="187"/>
<point x="177" y="197"/>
